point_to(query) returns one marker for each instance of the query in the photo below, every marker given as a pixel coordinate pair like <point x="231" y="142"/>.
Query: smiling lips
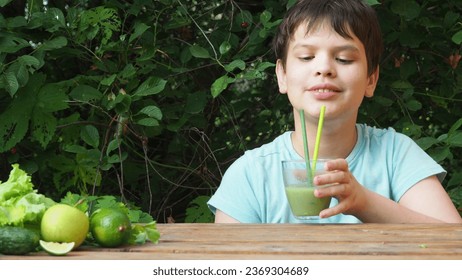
<point x="324" y="91"/>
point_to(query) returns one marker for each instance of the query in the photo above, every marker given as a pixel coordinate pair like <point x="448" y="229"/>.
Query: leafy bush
<point x="152" y="100"/>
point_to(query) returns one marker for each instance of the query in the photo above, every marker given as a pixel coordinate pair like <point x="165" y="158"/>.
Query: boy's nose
<point x="326" y="73"/>
<point x="325" y="68"/>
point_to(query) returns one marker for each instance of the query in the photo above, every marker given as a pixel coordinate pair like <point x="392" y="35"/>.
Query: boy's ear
<point x="281" y="76"/>
<point x="372" y="83"/>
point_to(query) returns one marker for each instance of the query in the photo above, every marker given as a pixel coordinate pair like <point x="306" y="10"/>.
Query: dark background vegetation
<point x="152" y="100"/>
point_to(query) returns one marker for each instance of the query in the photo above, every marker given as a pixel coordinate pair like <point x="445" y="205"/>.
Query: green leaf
<point x="199" y="52"/>
<point x="402" y="85"/>
<point x="18" y="184"/>
<point x="141" y="233"/>
<point x="440" y="153"/>
<point x="10" y="83"/>
<point x="151" y="86"/>
<point x="198" y="211"/>
<point x="455" y="126"/>
<point x="413" y="105"/>
<point x="75" y="149"/>
<point x="225" y="47"/>
<point x="121" y="104"/>
<point x="426" y="142"/>
<point x="3" y="3"/>
<point x="108" y="80"/>
<point x="409" y="9"/>
<point x="20" y="71"/>
<point x="152" y="234"/>
<point x="152" y="111"/>
<point x="457" y="38"/>
<point x="55" y="43"/>
<point x="85" y="93"/>
<point x="128" y="72"/>
<point x="53" y="20"/>
<point x="90" y="135"/>
<point x="14" y="121"/>
<point x="52" y="98"/>
<point x="456" y="180"/>
<point x="264" y="65"/>
<point x="113" y="145"/>
<point x="450" y="18"/>
<point x="265" y="17"/>
<point x="34" y="205"/>
<point x="254" y="74"/>
<point x="16" y="22"/>
<point x="220" y="85"/>
<point x="29" y="61"/>
<point x="411" y="38"/>
<point x="148" y="122"/>
<point x="116" y="158"/>
<point x="12" y="44"/>
<point x="140" y="28"/>
<point x="43" y="127"/>
<point x="238" y="63"/>
<point x="13" y="128"/>
<point x="386" y="102"/>
<point x="78" y="201"/>
<point x="455" y="139"/>
<point x="196" y="102"/>
<point x="372" y="2"/>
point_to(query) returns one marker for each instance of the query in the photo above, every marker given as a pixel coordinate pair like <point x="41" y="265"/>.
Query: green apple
<point x="64" y="223"/>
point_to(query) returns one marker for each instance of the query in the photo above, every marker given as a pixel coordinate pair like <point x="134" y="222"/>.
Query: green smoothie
<point x="303" y="202"/>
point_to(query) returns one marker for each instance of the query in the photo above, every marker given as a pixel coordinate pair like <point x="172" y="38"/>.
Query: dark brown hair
<point x="345" y="17"/>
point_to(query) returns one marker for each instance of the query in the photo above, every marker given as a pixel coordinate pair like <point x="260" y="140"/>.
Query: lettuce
<point x="20" y="204"/>
<point x="19" y="183"/>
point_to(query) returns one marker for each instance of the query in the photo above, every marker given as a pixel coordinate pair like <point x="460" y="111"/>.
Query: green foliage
<point x="152" y="100"/>
<point x="198" y="211"/>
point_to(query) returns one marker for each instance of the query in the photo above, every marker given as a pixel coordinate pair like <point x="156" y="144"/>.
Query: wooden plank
<point x="228" y="241"/>
<point x="286" y="233"/>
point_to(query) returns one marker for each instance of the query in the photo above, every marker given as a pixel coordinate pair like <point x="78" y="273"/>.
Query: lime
<point x="56" y="248"/>
<point x="110" y="227"/>
<point x="64" y="223"/>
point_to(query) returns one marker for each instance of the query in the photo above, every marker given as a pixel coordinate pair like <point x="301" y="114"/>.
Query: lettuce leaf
<point x="20" y="204"/>
<point x="19" y="183"/>
<point x="11" y="215"/>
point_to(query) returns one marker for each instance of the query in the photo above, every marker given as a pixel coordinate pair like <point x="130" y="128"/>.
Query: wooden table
<point x="286" y="241"/>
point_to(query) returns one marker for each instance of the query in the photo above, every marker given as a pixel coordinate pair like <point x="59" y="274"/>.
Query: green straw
<point x="318" y="137"/>
<point x="305" y="148"/>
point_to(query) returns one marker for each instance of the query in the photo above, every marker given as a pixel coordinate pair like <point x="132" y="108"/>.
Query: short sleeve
<point x="235" y="195"/>
<point x="411" y="165"/>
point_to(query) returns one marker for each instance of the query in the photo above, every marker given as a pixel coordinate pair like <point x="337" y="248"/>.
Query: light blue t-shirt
<point x="384" y="161"/>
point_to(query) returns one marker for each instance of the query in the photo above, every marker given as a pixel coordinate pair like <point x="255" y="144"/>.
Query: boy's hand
<point x="349" y="193"/>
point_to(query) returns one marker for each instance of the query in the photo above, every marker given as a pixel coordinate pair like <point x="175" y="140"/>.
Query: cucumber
<point x="18" y="240"/>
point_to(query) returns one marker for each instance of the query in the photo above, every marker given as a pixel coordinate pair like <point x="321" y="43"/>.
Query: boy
<point x="328" y="53"/>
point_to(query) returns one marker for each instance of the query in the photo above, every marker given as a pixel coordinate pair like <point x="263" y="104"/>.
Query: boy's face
<point x="323" y="68"/>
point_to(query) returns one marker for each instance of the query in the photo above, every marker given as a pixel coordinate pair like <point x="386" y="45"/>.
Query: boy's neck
<point x="335" y="143"/>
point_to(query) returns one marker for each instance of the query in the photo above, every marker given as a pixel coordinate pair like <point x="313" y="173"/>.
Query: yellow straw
<point x="305" y="148"/>
<point x="318" y="138"/>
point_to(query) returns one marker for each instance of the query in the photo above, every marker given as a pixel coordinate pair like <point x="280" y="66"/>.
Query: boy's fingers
<point x="329" y="212"/>
<point x="337" y="164"/>
<point x="339" y="177"/>
<point x="333" y="191"/>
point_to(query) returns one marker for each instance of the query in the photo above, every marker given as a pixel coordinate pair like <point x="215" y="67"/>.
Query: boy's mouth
<point x="323" y="95"/>
<point x="324" y="91"/>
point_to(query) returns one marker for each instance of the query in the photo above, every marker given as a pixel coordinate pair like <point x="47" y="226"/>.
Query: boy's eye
<point x="344" y="61"/>
<point x="306" y="58"/>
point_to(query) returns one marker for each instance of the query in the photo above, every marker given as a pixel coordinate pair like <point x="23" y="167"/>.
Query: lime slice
<point x="56" y="248"/>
